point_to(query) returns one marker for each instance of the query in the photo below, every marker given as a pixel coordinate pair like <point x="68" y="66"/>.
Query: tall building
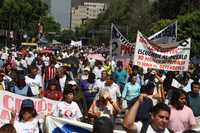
<point x="60" y="10"/>
<point x="87" y="11"/>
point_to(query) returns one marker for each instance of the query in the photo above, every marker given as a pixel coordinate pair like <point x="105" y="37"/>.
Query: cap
<point x="27" y="103"/>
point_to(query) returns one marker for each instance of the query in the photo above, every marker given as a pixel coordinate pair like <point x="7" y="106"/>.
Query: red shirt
<point x="54" y="95"/>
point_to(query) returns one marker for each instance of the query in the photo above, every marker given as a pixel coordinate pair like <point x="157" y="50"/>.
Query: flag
<point x="61" y="125"/>
<point x="166" y="35"/>
<point x="120" y="46"/>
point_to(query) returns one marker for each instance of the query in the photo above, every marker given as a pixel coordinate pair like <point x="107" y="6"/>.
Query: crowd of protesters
<point x="154" y="101"/>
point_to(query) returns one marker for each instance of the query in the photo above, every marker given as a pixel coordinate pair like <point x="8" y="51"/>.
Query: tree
<point x="170" y="9"/>
<point x="134" y="14"/>
<point x="23" y="16"/>
<point x="50" y="25"/>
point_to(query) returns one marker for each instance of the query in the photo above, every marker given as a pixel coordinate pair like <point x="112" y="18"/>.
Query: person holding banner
<point x="103" y="106"/>
<point x="68" y="108"/>
<point x="28" y="121"/>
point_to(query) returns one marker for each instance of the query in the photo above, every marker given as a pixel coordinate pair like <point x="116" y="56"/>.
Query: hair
<point x="67" y="91"/>
<point x="160" y="107"/>
<point x="194" y="83"/>
<point x="103" y="125"/>
<point x="54" y="82"/>
<point x="27" y="109"/>
<point x="8" y="128"/>
<point x="190" y="131"/>
<point x="119" y="63"/>
<point x="176" y="94"/>
<point x="91" y="77"/>
<point x="148" y="88"/>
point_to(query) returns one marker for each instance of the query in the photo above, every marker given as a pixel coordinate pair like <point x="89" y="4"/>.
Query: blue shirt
<point x="121" y="77"/>
<point x="131" y="91"/>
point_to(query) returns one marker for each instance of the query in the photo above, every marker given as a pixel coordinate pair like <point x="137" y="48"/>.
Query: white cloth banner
<point x="60" y="125"/>
<point x="10" y="101"/>
<point x="76" y="43"/>
<point x="173" y="58"/>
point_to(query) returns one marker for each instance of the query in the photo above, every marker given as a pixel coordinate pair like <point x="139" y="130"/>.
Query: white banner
<point x="120" y="45"/>
<point x="174" y="58"/>
<point x="60" y="125"/>
<point x="76" y="43"/>
<point x="10" y="101"/>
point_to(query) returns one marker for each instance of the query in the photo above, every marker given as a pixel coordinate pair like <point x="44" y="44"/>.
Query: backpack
<point x="145" y="125"/>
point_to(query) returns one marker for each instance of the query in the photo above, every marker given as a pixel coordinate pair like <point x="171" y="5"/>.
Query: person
<point x="181" y="117"/>
<point x="4" y="84"/>
<point x="107" y="67"/>
<point x="20" y="87"/>
<point x="50" y="72"/>
<point x="28" y="121"/>
<point x="120" y="75"/>
<point x="89" y="89"/>
<point x="78" y="96"/>
<point x="104" y="106"/>
<point x="103" y="125"/>
<point x="34" y="81"/>
<point x="193" y="98"/>
<point x="7" y="128"/>
<point x="53" y="92"/>
<point x="145" y="108"/>
<point x="100" y="83"/>
<point x="158" y="121"/>
<point x="98" y="69"/>
<point x="131" y="90"/>
<point x="68" y="108"/>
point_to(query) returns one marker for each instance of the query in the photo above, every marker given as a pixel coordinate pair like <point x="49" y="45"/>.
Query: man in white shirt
<point x="98" y="70"/>
<point x="159" y="119"/>
<point x="34" y="81"/>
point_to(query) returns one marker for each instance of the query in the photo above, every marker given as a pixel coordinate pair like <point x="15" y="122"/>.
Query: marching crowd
<point x="89" y="89"/>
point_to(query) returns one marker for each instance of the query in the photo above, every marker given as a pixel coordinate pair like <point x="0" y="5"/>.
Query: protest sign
<point x="172" y="57"/>
<point x="10" y="101"/>
<point x="120" y="46"/>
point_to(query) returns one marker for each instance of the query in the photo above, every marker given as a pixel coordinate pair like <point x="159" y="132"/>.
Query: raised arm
<point x="130" y="116"/>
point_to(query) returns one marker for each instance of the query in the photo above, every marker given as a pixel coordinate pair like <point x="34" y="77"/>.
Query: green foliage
<point x="188" y="26"/>
<point x="23" y="15"/>
<point x="50" y="25"/>
<point x="134" y="14"/>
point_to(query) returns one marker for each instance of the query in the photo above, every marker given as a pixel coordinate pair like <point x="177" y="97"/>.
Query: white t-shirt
<point x="27" y="127"/>
<point x="97" y="72"/>
<point x="69" y="111"/>
<point x="62" y="82"/>
<point x="114" y="91"/>
<point x="29" y="60"/>
<point x="149" y="130"/>
<point x="34" y="84"/>
<point x="100" y="84"/>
